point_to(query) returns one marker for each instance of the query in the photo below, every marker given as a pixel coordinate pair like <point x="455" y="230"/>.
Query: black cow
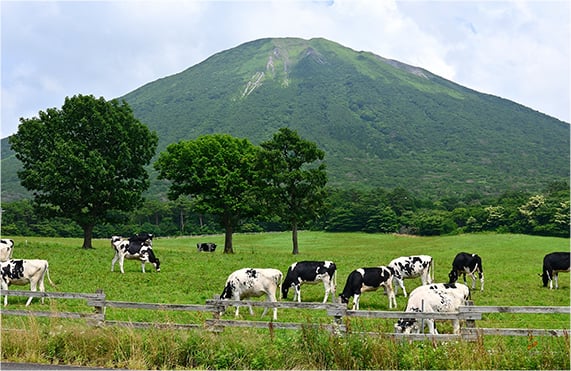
<point x="554" y="263"/>
<point x="206" y="246"/>
<point x="368" y="279"/>
<point x="310" y="272"/>
<point x="467" y="263"/>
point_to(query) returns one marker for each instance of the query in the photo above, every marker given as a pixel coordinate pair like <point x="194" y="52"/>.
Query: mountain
<point x="381" y="123"/>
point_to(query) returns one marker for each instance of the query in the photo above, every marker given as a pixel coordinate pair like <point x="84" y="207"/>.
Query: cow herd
<point x="255" y="282"/>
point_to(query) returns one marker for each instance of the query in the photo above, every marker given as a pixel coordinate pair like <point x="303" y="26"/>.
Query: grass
<point x="511" y="265"/>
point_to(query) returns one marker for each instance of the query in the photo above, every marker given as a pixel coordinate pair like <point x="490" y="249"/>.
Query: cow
<point x="24" y="271"/>
<point x="412" y="267"/>
<point x="206" y="246"/>
<point x="253" y="282"/>
<point x="310" y="272"/>
<point x="433" y="298"/>
<point x="368" y="279"/>
<point x="6" y="249"/>
<point x="467" y="263"/>
<point x="132" y="249"/>
<point x="554" y="263"/>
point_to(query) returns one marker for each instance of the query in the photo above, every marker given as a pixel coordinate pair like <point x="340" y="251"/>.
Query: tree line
<point x="346" y="210"/>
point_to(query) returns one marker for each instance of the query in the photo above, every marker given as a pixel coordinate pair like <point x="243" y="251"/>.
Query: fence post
<point x="99" y="307"/>
<point x="470" y="323"/>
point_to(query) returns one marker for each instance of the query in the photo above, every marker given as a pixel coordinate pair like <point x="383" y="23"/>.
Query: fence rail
<point x="468" y="313"/>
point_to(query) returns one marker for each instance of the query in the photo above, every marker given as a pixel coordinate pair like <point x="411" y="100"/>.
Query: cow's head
<point x="344" y="299"/>
<point x="544" y="277"/>
<point x="406" y="326"/>
<point x="228" y="291"/>
<point x="453" y="276"/>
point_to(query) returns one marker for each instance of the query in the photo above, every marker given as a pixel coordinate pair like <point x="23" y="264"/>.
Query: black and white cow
<point x="412" y="267"/>
<point x="133" y="249"/>
<point x="467" y="263"/>
<point x="206" y="246"/>
<point x="253" y="282"/>
<point x="433" y="298"/>
<point x="310" y="272"/>
<point x="368" y="279"/>
<point x="24" y="271"/>
<point x="6" y="249"/>
<point x="554" y="263"/>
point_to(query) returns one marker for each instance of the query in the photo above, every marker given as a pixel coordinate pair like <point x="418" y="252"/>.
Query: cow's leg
<point x="297" y="293"/>
<point x="42" y="286"/>
<point x="356" y="301"/>
<point x="121" y="262"/>
<point x="556" y="278"/>
<point x="115" y="258"/>
<point x="482" y="281"/>
<point x="4" y="286"/>
<point x="143" y="266"/>
<point x="327" y="287"/>
<point x="392" y="299"/>
<point x="33" y="287"/>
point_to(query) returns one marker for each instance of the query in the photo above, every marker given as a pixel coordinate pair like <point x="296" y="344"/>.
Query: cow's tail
<point x="432" y="270"/>
<point x="48" y="274"/>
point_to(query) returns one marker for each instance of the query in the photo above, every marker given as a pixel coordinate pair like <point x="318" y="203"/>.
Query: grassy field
<point x="511" y="265"/>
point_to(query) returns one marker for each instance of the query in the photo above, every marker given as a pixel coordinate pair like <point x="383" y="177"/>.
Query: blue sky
<point x="518" y="50"/>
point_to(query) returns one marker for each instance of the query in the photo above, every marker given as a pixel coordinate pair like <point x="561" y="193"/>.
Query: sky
<point x="518" y="50"/>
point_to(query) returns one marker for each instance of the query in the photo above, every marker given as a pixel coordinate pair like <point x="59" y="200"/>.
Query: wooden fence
<point x="338" y="313"/>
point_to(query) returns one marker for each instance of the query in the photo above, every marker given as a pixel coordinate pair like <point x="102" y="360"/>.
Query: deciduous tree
<point x="84" y="160"/>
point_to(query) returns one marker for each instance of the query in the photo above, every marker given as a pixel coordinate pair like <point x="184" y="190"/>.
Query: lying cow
<point x="310" y="272"/>
<point x="253" y="282"/>
<point x="412" y="267"/>
<point x="21" y="272"/>
<point x="467" y="263"/>
<point x="433" y="298"/>
<point x="368" y="279"/>
<point x="133" y="249"/>
<point x="554" y="263"/>
<point x="206" y="247"/>
<point x="6" y="249"/>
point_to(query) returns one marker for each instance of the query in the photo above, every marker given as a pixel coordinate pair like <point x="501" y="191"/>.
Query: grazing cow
<point x="206" y="246"/>
<point x="253" y="282"/>
<point x="6" y="249"/>
<point x="310" y="272"/>
<point x="130" y="249"/>
<point x="412" y="267"/>
<point x="21" y="272"/>
<point x="467" y="263"/>
<point x="368" y="279"/>
<point x="433" y="298"/>
<point x="554" y="263"/>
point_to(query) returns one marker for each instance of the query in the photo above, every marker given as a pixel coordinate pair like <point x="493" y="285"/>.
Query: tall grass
<point x="511" y="266"/>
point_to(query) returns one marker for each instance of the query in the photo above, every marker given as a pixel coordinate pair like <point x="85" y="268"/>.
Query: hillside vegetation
<point x="381" y="123"/>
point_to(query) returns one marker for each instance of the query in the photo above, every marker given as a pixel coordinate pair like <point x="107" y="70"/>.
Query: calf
<point x="206" y="246"/>
<point x="368" y="279"/>
<point x="21" y="272"/>
<point x="131" y="249"/>
<point x="310" y="272"/>
<point x="554" y="263"/>
<point x="6" y="249"/>
<point x="467" y="263"/>
<point x="412" y="267"/>
<point x="253" y="282"/>
<point x="433" y="298"/>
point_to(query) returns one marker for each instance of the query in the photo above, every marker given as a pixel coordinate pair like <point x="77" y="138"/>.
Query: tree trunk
<point x="294" y="239"/>
<point x="228" y="240"/>
<point x="87" y="235"/>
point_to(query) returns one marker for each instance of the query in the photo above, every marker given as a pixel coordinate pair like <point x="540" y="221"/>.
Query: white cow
<point x="135" y="250"/>
<point x="412" y="267"/>
<point x="433" y="298"/>
<point x="253" y="282"/>
<point x="22" y="272"/>
<point x="6" y="249"/>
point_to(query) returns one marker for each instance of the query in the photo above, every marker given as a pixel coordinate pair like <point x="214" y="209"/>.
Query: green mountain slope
<point x="381" y="122"/>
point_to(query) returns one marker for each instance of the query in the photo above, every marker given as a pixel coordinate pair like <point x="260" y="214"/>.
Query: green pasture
<point x="511" y="265"/>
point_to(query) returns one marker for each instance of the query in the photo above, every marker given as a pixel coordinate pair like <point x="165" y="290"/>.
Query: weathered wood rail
<point x="469" y="313"/>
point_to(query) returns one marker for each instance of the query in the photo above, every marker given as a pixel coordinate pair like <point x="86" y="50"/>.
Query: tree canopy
<point x="85" y="159"/>
<point x="294" y="190"/>
<point x="218" y="171"/>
